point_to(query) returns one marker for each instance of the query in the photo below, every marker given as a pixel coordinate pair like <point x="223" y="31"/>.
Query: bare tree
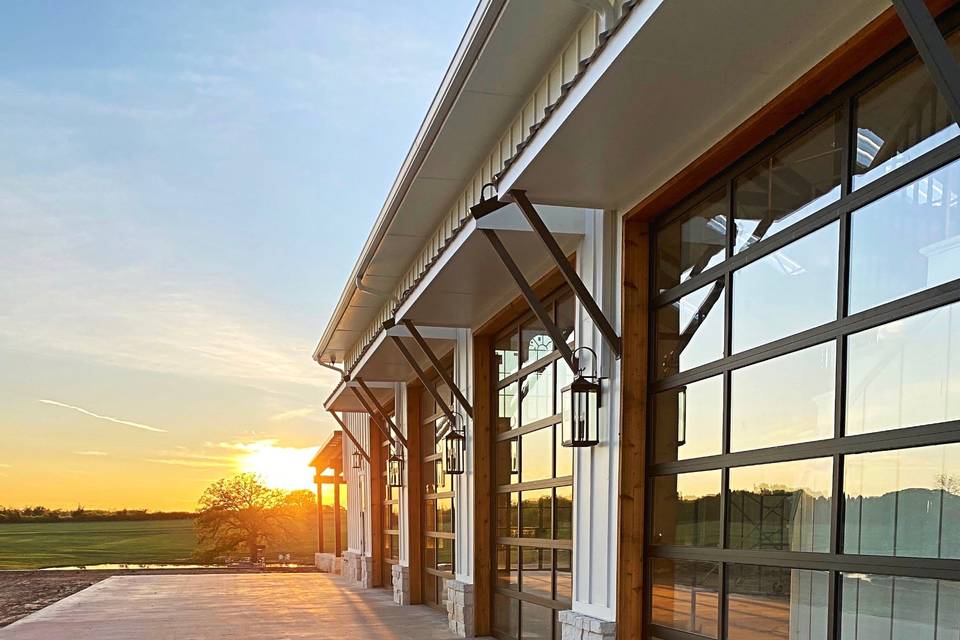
<point x="240" y="513"/>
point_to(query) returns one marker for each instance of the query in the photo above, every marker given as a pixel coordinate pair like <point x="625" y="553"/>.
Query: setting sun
<point x="279" y="467"/>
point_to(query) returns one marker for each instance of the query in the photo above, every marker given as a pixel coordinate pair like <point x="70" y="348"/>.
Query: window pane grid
<point x="790" y="569"/>
<point x="533" y="473"/>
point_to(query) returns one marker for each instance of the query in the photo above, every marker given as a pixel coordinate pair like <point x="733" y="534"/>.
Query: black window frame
<point x="835" y="562"/>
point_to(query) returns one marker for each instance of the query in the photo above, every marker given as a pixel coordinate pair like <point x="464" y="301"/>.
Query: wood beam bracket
<point x="374" y="419"/>
<point x="933" y="50"/>
<point x="559" y="341"/>
<point x="435" y="361"/>
<point x="383" y="413"/>
<point x="349" y="435"/>
<point x="566" y="269"/>
<point x="421" y="375"/>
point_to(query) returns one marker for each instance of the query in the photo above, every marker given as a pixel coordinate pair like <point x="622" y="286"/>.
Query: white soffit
<point x="671" y="82"/>
<point x="523" y="43"/>
<point x="383" y="362"/>
<point x="343" y="397"/>
<point x="469" y="284"/>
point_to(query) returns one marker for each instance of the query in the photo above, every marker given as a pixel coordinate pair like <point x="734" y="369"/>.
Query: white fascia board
<point x="611" y="51"/>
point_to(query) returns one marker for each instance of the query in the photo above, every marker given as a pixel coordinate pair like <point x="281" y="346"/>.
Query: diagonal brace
<point x="569" y="273"/>
<point x="531" y="297"/>
<point x="346" y="430"/>
<point x="933" y="50"/>
<point x="373" y="416"/>
<point x="435" y="361"/>
<point x="383" y="413"/>
<point x="424" y="380"/>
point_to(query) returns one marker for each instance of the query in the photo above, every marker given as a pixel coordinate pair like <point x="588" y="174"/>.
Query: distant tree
<point x="238" y="514"/>
<point x="948" y="483"/>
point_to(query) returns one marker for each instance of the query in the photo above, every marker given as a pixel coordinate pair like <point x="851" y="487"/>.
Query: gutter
<point x="474" y="39"/>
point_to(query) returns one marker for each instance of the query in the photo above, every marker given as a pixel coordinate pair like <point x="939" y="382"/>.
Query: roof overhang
<point x="671" y="81"/>
<point x="330" y="455"/>
<point x="468" y="284"/>
<point x="344" y="397"/>
<point x="493" y="73"/>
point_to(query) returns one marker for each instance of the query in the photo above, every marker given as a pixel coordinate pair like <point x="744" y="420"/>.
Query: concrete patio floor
<point x="276" y="606"/>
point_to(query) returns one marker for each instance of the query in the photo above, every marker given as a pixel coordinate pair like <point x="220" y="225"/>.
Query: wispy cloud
<point x="292" y="414"/>
<point x="128" y="423"/>
<point x="5" y="466"/>
<point x="90" y="453"/>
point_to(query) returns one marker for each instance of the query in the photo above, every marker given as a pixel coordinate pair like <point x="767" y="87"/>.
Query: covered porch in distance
<point x="331" y="517"/>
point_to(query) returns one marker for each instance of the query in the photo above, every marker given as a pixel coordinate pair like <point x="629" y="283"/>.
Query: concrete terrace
<point x="276" y="606"/>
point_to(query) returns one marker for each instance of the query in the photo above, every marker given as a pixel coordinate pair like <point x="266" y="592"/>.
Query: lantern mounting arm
<point x="566" y="269"/>
<point x="374" y="419"/>
<point x="435" y="361"/>
<point x="383" y="413"/>
<point x="531" y="297"/>
<point x="421" y="374"/>
<point x="349" y="435"/>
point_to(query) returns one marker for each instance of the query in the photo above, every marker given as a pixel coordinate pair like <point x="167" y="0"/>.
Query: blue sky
<point x="184" y="189"/>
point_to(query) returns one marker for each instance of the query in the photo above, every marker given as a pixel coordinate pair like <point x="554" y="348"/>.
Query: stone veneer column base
<point x="327" y="563"/>
<point x="401" y="584"/>
<point x="577" y="626"/>
<point x="357" y="569"/>
<point x="460" y="610"/>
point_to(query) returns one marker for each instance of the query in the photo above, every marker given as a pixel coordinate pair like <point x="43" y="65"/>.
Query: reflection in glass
<point x="685" y="595"/>
<point x="536" y="513"/>
<point x="445" y="555"/>
<point x="689" y="421"/>
<point x="536" y="453"/>
<point x="904" y="373"/>
<point x="506" y="351"/>
<point x="690" y="330"/>
<point x="693" y="243"/>
<point x="508" y="567"/>
<point x="508" y="515"/>
<point x="776" y="603"/>
<point x="899" y="119"/>
<point x="535" y="342"/>
<point x="799" y="179"/>
<point x="899" y="608"/>
<point x="507" y="464"/>
<point x="906" y="241"/>
<point x="445" y="515"/>
<point x="784" y="400"/>
<point x="536" y="395"/>
<point x="783" y="506"/>
<point x="903" y="503"/>
<point x="787" y="291"/>
<point x="506" y="617"/>
<point x="563" y="512"/>
<point x="564" y="455"/>
<point x="536" y="621"/>
<point x="686" y="509"/>
<point x="564" y="576"/>
<point x="507" y="417"/>
<point x="536" y="571"/>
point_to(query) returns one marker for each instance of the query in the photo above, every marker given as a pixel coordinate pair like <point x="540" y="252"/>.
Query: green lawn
<point x="56" y="544"/>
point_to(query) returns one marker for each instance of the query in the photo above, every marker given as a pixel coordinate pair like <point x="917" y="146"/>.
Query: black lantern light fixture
<point x="395" y="469"/>
<point x="357" y="459"/>
<point x="581" y="406"/>
<point x="454" y="447"/>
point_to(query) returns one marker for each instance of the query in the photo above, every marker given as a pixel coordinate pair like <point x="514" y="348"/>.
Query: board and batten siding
<point x="358" y="519"/>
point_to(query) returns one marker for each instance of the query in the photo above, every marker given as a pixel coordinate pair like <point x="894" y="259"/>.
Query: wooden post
<point x="337" y="542"/>
<point x="414" y="494"/>
<point x="633" y="430"/>
<point x="376" y="505"/>
<point x="483" y="551"/>
<point x="319" y="513"/>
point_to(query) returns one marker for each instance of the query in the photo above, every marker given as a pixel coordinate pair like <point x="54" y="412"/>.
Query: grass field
<point x="59" y="544"/>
